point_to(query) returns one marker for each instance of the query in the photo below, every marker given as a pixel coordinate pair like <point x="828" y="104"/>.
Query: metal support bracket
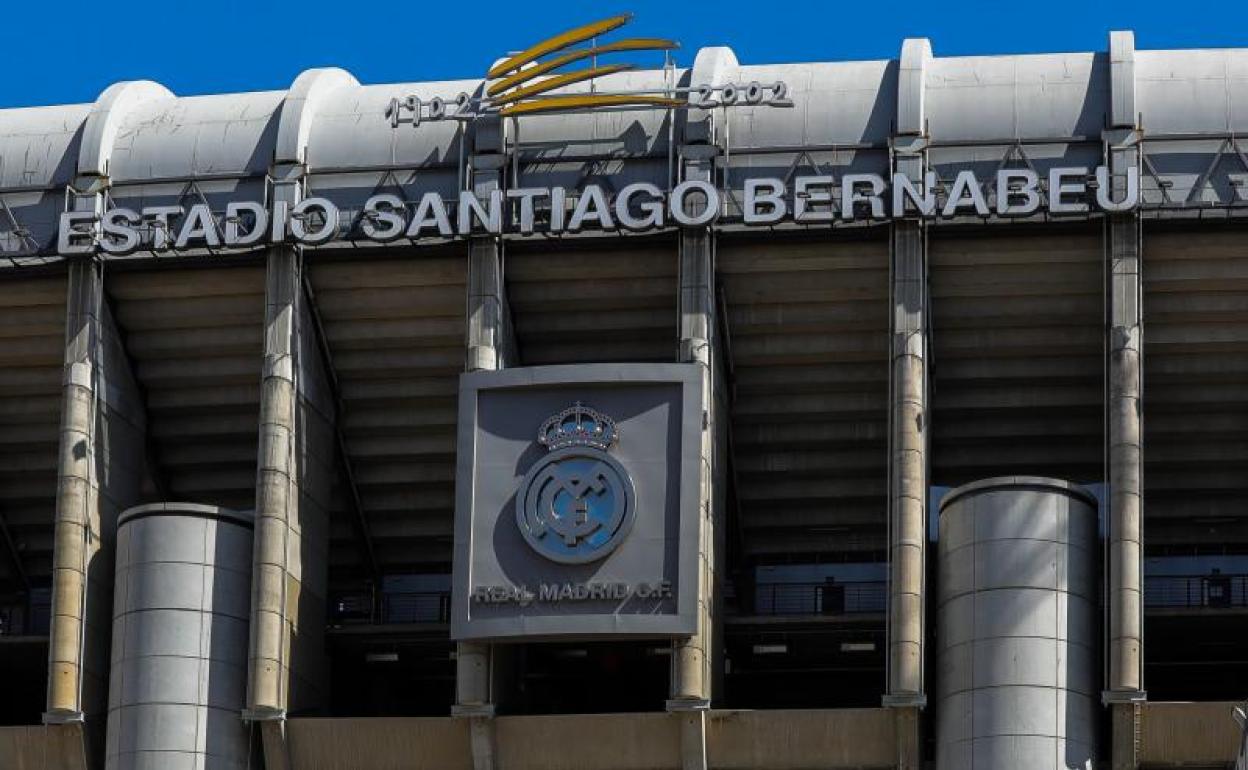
<point x="1110" y="697"/>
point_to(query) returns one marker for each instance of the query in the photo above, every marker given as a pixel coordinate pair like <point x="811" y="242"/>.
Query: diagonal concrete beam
<point x="157" y="476"/>
<point x="359" y="515"/>
<point x="15" y="556"/>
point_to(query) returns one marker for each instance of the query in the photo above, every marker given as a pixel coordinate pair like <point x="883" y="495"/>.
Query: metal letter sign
<point x="577" y="504"/>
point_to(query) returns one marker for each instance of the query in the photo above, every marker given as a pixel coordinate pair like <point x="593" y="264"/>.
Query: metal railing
<point x="25" y="619"/>
<point x="416" y="607"/>
<point x="1195" y="591"/>
<point x="826" y="598"/>
<point x="396" y="607"/>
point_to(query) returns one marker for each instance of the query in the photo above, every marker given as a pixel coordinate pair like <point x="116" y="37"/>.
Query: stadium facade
<point x="708" y="416"/>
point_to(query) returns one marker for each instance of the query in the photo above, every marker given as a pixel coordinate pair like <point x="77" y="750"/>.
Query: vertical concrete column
<point x="287" y="668"/>
<point x="77" y="489"/>
<point x="908" y="487"/>
<point x="696" y="660"/>
<point x="100" y="471"/>
<point x="908" y="418"/>
<point x="485" y="332"/>
<point x="1124" y="346"/>
<point x="286" y="661"/>
<point x="276" y="491"/>
<point x="692" y="659"/>
<point x="101" y="462"/>
<point x="490" y="345"/>
<point x="1125" y="460"/>
<point x="76" y="542"/>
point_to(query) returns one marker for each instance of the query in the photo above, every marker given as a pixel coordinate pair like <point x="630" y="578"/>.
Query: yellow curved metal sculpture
<point x="585" y="101"/>
<point x="558" y="42"/>
<point x="558" y="81"/>
<point x="522" y="80"/>
<point x="631" y="44"/>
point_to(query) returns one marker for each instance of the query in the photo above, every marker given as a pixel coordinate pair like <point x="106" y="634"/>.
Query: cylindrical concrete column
<point x="77" y="492"/>
<point x="1017" y="626"/>
<point x="276" y="487"/>
<point x="488" y="346"/>
<point x="692" y="679"/>
<point x="907" y="466"/>
<point x="1124" y="676"/>
<point x="1126" y="462"/>
<point x="179" y="662"/>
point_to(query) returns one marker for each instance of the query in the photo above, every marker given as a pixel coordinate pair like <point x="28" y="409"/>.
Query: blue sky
<point x="69" y="50"/>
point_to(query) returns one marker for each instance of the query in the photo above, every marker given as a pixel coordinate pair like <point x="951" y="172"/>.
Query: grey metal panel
<point x="190" y="137"/>
<point x="1017" y="626"/>
<point x="1026" y="97"/>
<point x="833" y="103"/>
<point x="1192" y="92"/>
<point x="181" y="604"/>
<point x="38" y="156"/>
<point x="39" y="145"/>
<point x="351" y="129"/>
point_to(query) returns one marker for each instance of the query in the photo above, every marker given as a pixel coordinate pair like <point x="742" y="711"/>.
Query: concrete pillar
<point x="1125" y="458"/>
<point x="273" y="742"/>
<point x="76" y="543"/>
<point x="908" y="463"/>
<point x="692" y="676"/>
<point x="1124" y="368"/>
<point x="697" y="660"/>
<point x="1125" y="742"/>
<point x="908" y="420"/>
<point x="295" y="468"/>
<point x="693" y="739"/>
<point x="101" y="468"/>
<point x="490" y="342"/>
<point x="490" y="345"/>
<point x="268" y="662"/>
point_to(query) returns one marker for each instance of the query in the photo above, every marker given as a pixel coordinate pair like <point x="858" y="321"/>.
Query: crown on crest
<point x="578" y="425"/>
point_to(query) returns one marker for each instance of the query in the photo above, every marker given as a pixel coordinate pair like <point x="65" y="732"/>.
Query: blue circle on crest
<point x="575" y="505"/>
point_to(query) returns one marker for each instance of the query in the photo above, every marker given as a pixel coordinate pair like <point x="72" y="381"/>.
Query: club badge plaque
<point x="577" y="502"/>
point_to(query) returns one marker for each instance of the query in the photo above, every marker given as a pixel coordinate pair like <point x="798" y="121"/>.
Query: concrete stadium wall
<point x="1173" y="735"/>
<point x="47" y="747"/>
<point x="801" y="740"/>
<point x="430" y="743"/>
<point x="1177" y="734"/>
<point x="736" y="740"/>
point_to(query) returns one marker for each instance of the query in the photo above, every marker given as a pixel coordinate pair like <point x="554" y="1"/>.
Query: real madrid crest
<point x="576" y="504"/>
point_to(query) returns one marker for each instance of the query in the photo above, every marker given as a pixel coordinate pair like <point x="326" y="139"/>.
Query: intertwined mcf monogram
<point x="578" y="524"/>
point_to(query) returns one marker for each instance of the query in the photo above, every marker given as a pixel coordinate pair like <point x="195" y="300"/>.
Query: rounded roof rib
<point x="100" y="132"/>
<point x="140" y="132"/>
<point x="196" y="137"/>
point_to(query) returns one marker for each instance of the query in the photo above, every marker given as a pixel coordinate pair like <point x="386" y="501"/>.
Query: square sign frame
<point x="487" y="531"/>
